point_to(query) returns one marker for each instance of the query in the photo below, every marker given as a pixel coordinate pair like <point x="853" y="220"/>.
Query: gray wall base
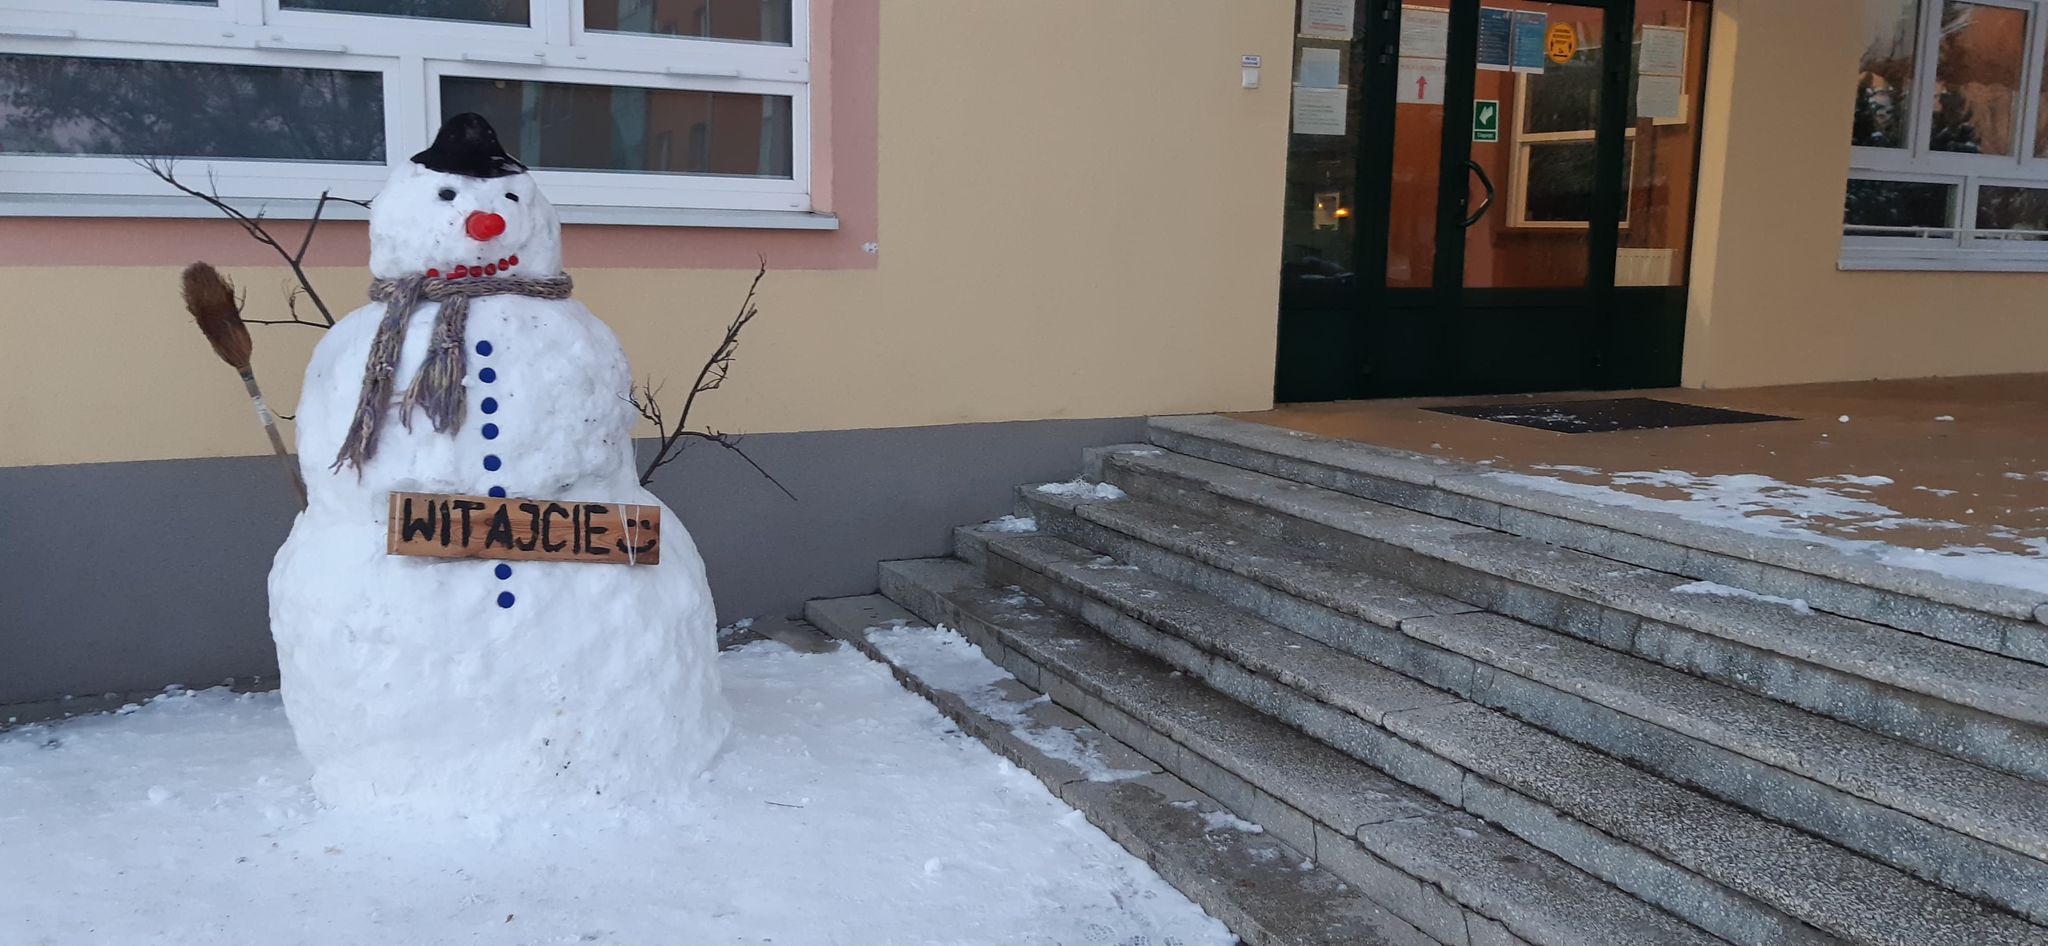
<point x="125" y="577"/>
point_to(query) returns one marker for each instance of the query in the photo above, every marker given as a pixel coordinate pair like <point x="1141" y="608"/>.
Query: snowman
<point x="467" y="686"/>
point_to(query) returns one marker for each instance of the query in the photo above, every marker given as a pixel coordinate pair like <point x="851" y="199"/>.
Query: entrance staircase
<point x="1501" y="723"/>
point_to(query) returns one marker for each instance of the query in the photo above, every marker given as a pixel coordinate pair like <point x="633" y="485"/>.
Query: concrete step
<point x="1958" y="825"/>
<point x="1451" y="875"/>
<point x="1969" y="703"/>
<point x="1265" y="890"/>
<point x="1741" y="877"/>
<point x="1996" y="618"/>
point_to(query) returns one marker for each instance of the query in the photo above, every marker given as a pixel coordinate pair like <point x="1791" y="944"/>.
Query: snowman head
<point x="463" y="202"/>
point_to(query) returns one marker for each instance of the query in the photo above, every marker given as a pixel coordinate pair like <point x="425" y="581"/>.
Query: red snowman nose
<point x="482" y="226"/>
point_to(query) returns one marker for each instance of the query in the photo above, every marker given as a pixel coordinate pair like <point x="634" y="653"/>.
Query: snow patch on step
<point x="944" y="660"/>
<point x="1082" y="489"/>
<point x="1730" y="591"/>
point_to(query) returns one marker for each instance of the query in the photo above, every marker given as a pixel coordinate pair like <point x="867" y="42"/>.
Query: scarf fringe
<point x="437" y="389"/>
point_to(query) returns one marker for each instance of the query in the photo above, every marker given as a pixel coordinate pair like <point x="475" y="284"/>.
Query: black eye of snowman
<point x="447" y="193"/>
<point x="512" y="197"/>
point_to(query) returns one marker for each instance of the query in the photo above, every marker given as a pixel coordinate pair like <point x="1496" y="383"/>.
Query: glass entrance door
<point x="1516" y="198"/>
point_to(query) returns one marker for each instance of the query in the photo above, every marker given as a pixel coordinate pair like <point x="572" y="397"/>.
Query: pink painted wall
<point x="845" y="60"/>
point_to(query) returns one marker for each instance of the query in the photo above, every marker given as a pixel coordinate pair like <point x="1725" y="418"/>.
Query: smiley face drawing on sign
<point x="1561" y="43"/>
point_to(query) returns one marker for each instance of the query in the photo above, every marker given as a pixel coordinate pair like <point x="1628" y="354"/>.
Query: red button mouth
<point x="482" y="226"/>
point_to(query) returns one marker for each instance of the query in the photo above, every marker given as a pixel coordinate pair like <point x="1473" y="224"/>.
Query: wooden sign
<point x="439" y="525"/>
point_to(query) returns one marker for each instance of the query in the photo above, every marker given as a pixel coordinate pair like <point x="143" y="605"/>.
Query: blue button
<point x="490" y="431"/>
<point x="490" y="405"/>
<point x="487" y="376"/>
<point x="503" y="571"/>
<point x="497" y="492"/>
<point x="505" y="599"/>
<point x="483" y="348"/>
<point x="492" y="463"/>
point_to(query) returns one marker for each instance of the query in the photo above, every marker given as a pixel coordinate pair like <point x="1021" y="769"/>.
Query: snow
<point x="406" y="682"/>
<point x="1225" y="821"/>
<point x="1082" y="489"/>
<point x="1730" y="591"/>
<point x="843" y="810"/>
<point x="947" y="661"/>
<point x="1755" y="504"/>
<point x="1013" y="524"/>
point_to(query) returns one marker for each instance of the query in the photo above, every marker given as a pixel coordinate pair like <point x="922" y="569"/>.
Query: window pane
<point x="1897" y="204"/>
<point x="618" y="128"/>
<point x="1560" y="184"/>
<point x="2012" y="208"/>
<point x="70" y="105"/>
<point x="758" y="21"/>
<point x="1977" y="78"/>
<point x="1884" y="91"/>
<point x="482" y="11"/>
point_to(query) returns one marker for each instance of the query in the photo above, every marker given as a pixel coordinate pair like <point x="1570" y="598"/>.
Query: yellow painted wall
<point x="1079" y="217"/>
<point x="1768" y="304"/>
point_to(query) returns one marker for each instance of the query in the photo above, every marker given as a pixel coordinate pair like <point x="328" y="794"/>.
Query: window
<point x="618" y="105"/>
<point x="1950" y="138"/>
<point x="1556" y="114"/>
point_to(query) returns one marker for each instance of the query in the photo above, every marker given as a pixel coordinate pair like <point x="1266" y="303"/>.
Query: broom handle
<point x="270" y="427"/>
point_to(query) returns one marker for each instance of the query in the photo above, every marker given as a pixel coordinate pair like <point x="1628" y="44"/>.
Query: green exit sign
<point x="1486" y="120"/>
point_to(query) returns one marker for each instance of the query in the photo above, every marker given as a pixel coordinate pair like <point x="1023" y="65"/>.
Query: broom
<point x="211" y="300"/>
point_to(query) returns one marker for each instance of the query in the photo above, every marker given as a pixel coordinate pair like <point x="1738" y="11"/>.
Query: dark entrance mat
<point x="1604" y="415"/>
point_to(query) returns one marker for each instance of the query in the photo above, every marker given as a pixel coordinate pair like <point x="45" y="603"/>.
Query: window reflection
<point x="621" y="128"/>
<point x="759" y="21"/>
<point x="1884" y="90"/>
<point x="71" y="105"/>
<point x="1898" y="204"/>
<point x="480" y="11"/>
<point x="1977" y="78"/>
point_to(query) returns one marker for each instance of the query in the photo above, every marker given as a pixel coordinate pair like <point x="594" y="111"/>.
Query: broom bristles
<point x="211" y="300"/>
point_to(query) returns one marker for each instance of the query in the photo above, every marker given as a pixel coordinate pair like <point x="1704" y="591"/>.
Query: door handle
<point x="1486" y="182"/>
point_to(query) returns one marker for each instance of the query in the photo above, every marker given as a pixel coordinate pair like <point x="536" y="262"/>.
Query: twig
<point x="165" y="169"/>
<point x="711" y="377"/>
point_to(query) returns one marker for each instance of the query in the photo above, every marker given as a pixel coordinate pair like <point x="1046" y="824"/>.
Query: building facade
<point x="994" y="232"/>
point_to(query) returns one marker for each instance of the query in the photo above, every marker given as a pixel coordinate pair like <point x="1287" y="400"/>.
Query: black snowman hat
<point x="467" y="145"/>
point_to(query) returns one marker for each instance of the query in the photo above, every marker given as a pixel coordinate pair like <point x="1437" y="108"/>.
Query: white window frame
<point x="1959" y="245"/>
<point x="411" y="59"/>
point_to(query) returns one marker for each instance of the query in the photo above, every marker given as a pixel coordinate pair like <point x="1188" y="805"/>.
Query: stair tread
<point x="1978" y="613"/>
<point x="1988" y="681"/>
<point x="1969" y="798"/>
<point x="1837" y="890"/>
<point x="1536" y="895"/>
<point x="1255" y="883"/>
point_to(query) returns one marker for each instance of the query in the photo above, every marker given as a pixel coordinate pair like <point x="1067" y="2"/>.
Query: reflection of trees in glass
<point x="1896" y="204"/>
<point x="1565" y="96"/>
<point x="1977" y="78"/>
<point x="482" y="11"/>
<point x="1883" y="92"/>
<point x="766" y="21"/>
<point x="68" y="105"/>
<point x="2012" y="208"/>
<point x="577" y="126"/>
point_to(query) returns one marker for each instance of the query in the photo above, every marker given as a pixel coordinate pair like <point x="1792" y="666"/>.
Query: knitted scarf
<point x="437" y="388"/>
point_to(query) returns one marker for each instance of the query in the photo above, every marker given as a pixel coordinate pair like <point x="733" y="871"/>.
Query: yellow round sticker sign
<point x="1561" y="43"/>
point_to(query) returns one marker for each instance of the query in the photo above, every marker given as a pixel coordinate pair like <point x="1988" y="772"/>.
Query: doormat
<point x="1605" y="415"/>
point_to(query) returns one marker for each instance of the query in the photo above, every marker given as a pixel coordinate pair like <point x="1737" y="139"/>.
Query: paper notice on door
<point x="1419" y="81"/>
<point x="1528" y="40"/>
<point x="1663" y="52"/>
<point x="1496" y="29"/>
<point x="1320" y="67"/>
<point x="1320" y="111"/>
<point x="1659" y="97"/>
<point x="1327" y="19"/>
<point x="1425" y="32"/>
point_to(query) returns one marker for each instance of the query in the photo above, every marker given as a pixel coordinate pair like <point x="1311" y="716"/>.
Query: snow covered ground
<point x="844" y="810"/>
